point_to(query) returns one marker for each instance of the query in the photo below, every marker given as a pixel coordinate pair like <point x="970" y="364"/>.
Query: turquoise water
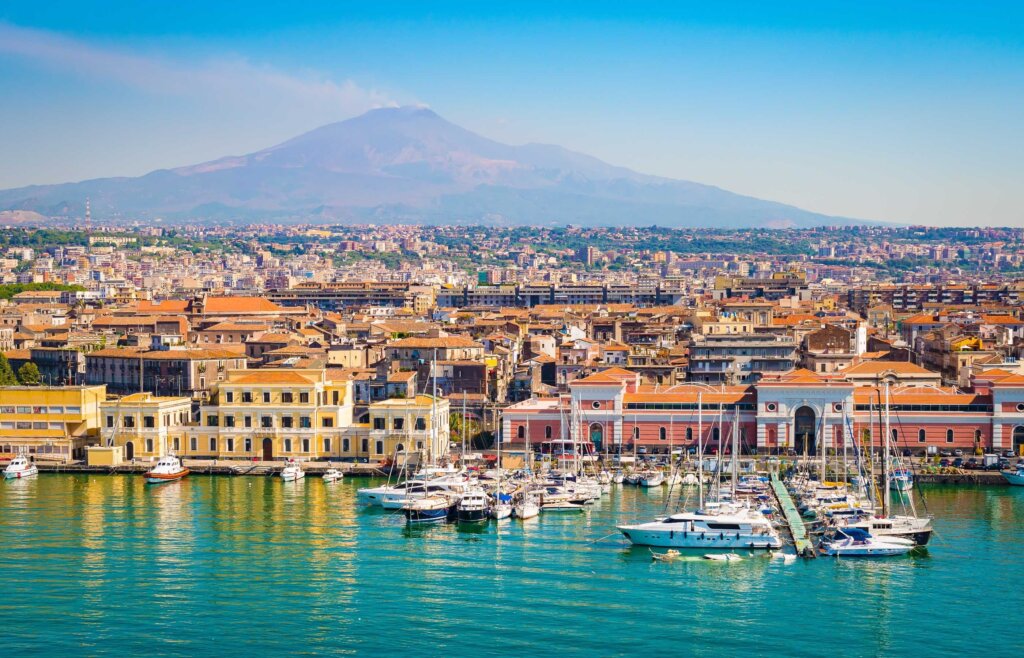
<point x="105" y="565"/>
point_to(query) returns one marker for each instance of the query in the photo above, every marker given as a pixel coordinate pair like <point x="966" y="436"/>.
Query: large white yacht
<point x="742" y="528"/>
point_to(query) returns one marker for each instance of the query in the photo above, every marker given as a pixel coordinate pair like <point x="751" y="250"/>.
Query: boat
<point x="667" y="556"/>
<point x="20" y="467"/>
<point x="728" y="529"/>
<point x="333" y="475"/>
<point x="168" y="469"/>
<point x="473" y="507"/>
<point x="502" y="507"/>
<point x="292" y="472"/>
<point x="857" y="542"/>
<point x="916" y="528"/>
<point x="652" y="479"/>
<point x="722" y="557"/>
<point x="527" y="508"/>
<point x="561" y="506"/>
<point x="430" y="509"/>
<point x="1015" y="477"/>
<point x="901" y="480"/>
<point x="618" y="477"/>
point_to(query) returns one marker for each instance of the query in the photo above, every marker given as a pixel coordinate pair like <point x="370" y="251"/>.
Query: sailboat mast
<point x="885" y="456"/>
<point x="735" y="446"/>
<point x="700" y="450"/>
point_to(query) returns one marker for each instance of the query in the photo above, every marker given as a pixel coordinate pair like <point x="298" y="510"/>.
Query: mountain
<point x="410" y="165"/>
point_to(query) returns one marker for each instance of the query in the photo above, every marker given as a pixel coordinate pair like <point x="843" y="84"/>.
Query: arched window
<point x="521" y="432"/>
<point x="662" y="434"/>
<point x="977" y="436"/>
<point x="636" y="432"/>
<point x="920" y="436"/>
<point x="547" y="431"/>
<point x="895" y="435"/>
<point x="689" y="434"/>
<point x="949" y="436"/>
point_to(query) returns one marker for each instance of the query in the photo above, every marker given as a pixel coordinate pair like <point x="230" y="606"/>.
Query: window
<point x="662" y="433"/>
<point x="287" y="445"/>
<point x="287" y="422"/>
<point x="636" y="432"/>
<point x="176" y="443"/>
<point x="596" y="404"/>
<point x="380" y="447"/>
<point x="305" y="422"/>
<point x="421" y="423"/>
<point x="305" y="445"/>
<point x="895" y="434"/>
<point x="949" y="436"/>
<point x="213" y="444"/>
<point x="110" y="421"/>
<point x="327" y="445"/>
<point x="149" y="445"/>
<point x="327" y="422"/>
<point x="689" y="434"/>
<point x="266" y="421"/>
<point x="246" y="396"/>
<point x="286" y="397"/>
<point x="229" y="397"/>
<point x="247" y="421"/>
<point x="248" y="445"/>
<point x="365" y="445"/>
<point x="230" y="445"/>
<point x="399" y="423"/>
<point x="149" y="422"/>
<point x="334" y="397"/>
<point x="211" y="420"/>
<point x="977" y="436"/>
<point x="193" y="444"/>
<point x="129" y="421"/>
<point x="716" y="433"/>
<point x="229" y="421"/>
<point x="920" y="436"/>
<point x="345" y="445"/>
<point x="378" y="424"/>
<point x="521" y="432"/>
<point x="547" y="431"/>
<point x="303" y="398"/>
<point x="266" y="397"/>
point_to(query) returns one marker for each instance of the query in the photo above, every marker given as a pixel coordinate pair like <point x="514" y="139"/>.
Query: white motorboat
<point x="901" y="480"/>
<point x="652" y="479"/>
<point x="473" y="507"/>
<point x="430" y="509"/>
<point x="333" y="475"/>
<point x="619" y="477"/>
<point x="561" y="506"/>
<point x="20" y="467"/>
<point x="168" y="469"/>
<point x="857" y="542"/>
<point x="292" y="472"/>
<point x="916" y="528"/>
<point x="722" y="557"/>
<point x="1015" y="477"/>
<point x="730" y="529"/>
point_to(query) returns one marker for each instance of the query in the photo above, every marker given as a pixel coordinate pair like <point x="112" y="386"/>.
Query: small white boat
<point x="618" y="477"/>
<point x="723" y="557"/>
<point x="562" y="506"/>
<point x="902" y="480"/>
<point x="857" y="542"/>
<point x="333" y="475"/>
<point x="168" y="469"/>
<point x="20" y="467"/>
<point x="501" y="510"/>
<point x="527" y="508"/>
<point x="667" y="556"/>
<point x="292" y="472"/>
<point x="652" y="479"/>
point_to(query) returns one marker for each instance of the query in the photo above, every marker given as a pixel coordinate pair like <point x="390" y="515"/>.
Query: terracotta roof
<point x="216" y="305"/>
<point x="165" y="306"/>
<point x="609" y="376"/>
<point x="443" y="342"/>
<point x="271" y="377"/>
<point x="877" y="367"/>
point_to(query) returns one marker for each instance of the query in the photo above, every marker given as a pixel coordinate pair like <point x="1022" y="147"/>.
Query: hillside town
<point x="361" y="343"/>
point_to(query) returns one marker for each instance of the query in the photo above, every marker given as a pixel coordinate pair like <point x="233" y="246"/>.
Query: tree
<point x="7" y="377"/>
<point x="28" y="374"/>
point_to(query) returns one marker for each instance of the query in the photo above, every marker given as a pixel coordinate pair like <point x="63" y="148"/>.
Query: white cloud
<point x="232" y="79"/>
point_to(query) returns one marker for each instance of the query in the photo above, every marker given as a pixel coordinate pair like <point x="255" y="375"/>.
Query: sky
<point x="895" y="111"/>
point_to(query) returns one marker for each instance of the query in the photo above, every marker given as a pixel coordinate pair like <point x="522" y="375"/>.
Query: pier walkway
<point x="793" y="518"/>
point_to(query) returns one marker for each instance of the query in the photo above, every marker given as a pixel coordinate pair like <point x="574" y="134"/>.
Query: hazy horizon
<point x="907" y="114"/>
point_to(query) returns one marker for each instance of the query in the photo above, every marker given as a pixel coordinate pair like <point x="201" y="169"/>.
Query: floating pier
<point x="797" y="529"/>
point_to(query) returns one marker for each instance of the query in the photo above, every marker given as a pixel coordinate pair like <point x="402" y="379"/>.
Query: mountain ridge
<point x="410" y="165"/>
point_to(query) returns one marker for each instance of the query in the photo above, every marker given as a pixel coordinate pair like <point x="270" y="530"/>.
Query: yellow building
<point x="273" y="414"/>
<point x="144" y="425"/>
<point x="400" y="427"/>
<point x="49" y="422"/>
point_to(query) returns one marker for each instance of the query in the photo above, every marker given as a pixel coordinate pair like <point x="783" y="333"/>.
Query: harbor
<point x="220" y="554"/>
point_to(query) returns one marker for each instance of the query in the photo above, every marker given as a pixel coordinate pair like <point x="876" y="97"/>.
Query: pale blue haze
<point x="106" y="565"/>
<point x="894" y="111"/>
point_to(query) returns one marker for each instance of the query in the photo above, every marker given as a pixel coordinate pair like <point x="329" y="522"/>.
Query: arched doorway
<point x="129" y="450"/>
<point x="268" y="449"/>
<point x="1018" y="440"/>
<point x="804" y="432"/>
<point x="596" y="434"/>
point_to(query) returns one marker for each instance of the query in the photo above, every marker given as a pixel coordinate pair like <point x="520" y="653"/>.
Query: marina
<point x="221" y="551"/>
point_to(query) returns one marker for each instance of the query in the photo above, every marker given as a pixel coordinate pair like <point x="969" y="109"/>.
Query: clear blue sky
<point x="903" y="111"/>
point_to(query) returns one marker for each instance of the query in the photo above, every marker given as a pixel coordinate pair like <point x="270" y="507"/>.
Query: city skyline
<point x="888" y="114"/>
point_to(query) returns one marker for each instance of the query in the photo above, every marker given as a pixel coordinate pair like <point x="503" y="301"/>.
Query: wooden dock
<point x="797" y="529"/>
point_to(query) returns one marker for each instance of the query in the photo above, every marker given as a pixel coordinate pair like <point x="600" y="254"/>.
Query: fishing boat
<point x="333" y="475"/>
<point x="292" y="472"/>
<point x="20" y="467"/>
<point x="857" y="542"/>
<point x="739" y="529"/>
<point x="473" y="507"/>
<point x="431" y="509"/>
<point x="168" y="469"/>
<point x="1015" y="477"/>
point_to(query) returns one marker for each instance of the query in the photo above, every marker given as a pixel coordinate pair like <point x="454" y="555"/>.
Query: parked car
<point x="958" y="462"/>
<point x="944" y="462"/>
<point x="1004" y="464"/>
<point x="945" y="452"/>
<point x="958" y="453"/>
<point x="972" y="463"/>
<point x="1009" y="454"/>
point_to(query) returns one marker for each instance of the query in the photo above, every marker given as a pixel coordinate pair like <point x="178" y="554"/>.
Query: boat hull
<point x="19" y="475"/>
<point x="1015" y="478"/>
<point x="682" y="539"/>
<point x="160" y="478"/>
<point x="471" y="515"/>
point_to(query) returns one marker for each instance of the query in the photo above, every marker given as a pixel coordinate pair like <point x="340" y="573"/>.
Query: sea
<point x="240" y="566"/>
